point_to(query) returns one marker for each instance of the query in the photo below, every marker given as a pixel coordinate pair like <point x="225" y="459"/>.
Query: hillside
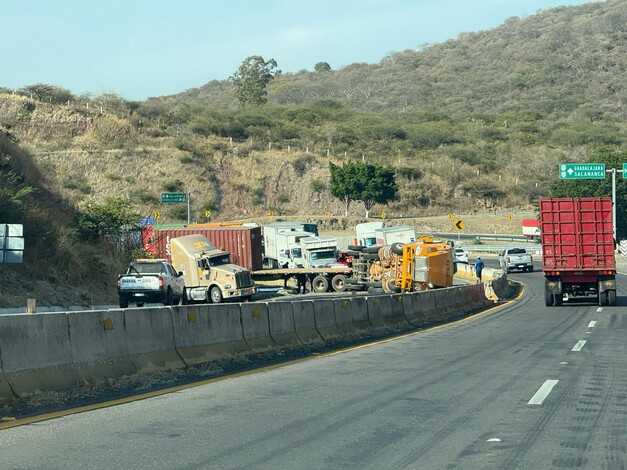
<point x="475" y="125"/>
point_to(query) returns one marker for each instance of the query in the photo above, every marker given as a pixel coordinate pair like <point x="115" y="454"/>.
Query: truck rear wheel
<point x="215" y="295"/>
<point x="602" y="298"/>
<point x="320" y="284"/>
<point x="548" y="296"/>
<point x="611" y="298"/>
<point x="559" y="298"/>
<point x="123" y="302"/>
<point x="339" y="283"/>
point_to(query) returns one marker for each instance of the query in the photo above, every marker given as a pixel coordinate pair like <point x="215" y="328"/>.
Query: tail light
<point x="160" y="282"/>
<point x="117" y="283"/>
<point x="508" y="259"/>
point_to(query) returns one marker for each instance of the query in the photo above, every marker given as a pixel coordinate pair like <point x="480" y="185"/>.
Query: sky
<point x="147" y="48"/>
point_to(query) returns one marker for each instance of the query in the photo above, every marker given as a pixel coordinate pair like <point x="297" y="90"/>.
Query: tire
<point x="548" y="297"/>
<point x="376" y="290"/>
<point x="611" y="298"/>
<point x="215" y="294"/>
<point x="602" y="299"/>
<point x="247" y="298"/>
<point x="320" y="284"/>
<point x="339" y="283"/>
<point x="123" y="302"/>
<point x="168" y="298"/>
<point x="558" y="299"/>
<point x="371" y="249"/>
<point x="397" y="248"/>
<point x="355" y="287"/>
<point x="356" y="247"/>
<point x="389" y="287"/>
<point x="371" y="256"/>
<point x="183" y="298"/>
<point x="374" y="284"/>
<point x="139" y="304"/>
<point x="353" y="253"/>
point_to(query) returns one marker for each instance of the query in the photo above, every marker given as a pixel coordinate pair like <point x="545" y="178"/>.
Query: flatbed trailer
<point x="321" y="279"/>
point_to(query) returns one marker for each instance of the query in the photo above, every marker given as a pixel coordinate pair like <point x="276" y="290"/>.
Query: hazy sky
<point x="143" y="48"/>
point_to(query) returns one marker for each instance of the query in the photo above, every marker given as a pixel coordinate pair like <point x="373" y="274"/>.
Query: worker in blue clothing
<point x="479" y="265"/>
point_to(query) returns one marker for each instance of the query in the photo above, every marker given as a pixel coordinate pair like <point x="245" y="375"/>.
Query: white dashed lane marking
<point x="592" y="324"/>
<point x="543" y="392"/>
<point x="579" y="345"/>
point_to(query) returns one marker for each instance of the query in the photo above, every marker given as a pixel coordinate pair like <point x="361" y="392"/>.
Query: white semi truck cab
<point x="319" y="252"/>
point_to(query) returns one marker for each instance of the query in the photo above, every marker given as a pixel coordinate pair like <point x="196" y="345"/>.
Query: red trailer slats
<point x="577" y="234"/>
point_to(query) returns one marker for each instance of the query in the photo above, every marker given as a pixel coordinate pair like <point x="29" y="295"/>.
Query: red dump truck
<point x="578" y="249"/>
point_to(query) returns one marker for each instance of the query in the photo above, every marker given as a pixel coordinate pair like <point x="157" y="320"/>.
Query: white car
<point x="460" y="256"/>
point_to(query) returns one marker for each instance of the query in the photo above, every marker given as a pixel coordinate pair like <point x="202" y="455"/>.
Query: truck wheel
<point x="355" y="247"/>
<point x="611" y="298"/>
<point x="371" y="249"/>
<point x="371" y="256"/>
<point x="339" y="283"/>
<point x="389" y="286"/>
<point x="320" y="284"/>
<point x="397" y="248"/>
<point x="602" y="299"/>
<point x="216" y="295"/>
<point x="376" y="290"/>
<point x="139" y="304"/>
<point x="123" y="302"/>
<point x="548" y="297"/>
<point x="558" y="298"/>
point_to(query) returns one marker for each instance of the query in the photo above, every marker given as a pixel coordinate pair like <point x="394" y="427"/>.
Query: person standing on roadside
<point x="479" y="265"/>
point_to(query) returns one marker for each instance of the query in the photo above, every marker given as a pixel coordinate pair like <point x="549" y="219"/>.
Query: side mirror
<point x="181" y="273"/>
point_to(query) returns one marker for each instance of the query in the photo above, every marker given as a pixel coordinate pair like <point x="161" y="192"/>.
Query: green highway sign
<point x="580" y="171"/>
<point x="173" y="198"/>
<point x="624" y="170"/>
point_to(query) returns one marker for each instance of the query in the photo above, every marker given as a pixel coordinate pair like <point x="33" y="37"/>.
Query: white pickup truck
<point x="516" y="258"/>
<point x="150" y="280"/>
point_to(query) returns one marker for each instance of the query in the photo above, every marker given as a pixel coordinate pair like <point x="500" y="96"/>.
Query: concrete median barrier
<point x="150" y="339"/>
<point x="305" y="322"/>
<point x="256" y="327"/>
<point x="99" y="344"/>
<point x="281" y="320"/>
<point x="343" y="309"/>
<point x="206" y="333"/>
<point x="324" y="310"/>
<point x="36" y="353"/>
<point x="392" y="310"/>
<point x="445" y="302"/>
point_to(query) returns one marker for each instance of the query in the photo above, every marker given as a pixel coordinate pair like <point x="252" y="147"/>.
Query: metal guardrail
<point x="535" y="250"/>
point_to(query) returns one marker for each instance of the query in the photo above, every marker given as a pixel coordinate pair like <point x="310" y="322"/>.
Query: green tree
<point x="111" y="220"/>
<point x="345" y="183"/>
<point x="378" y="185"/>
<point x="322" y="67"/>
<point x="45" y="92"/>
<point x="252" y="78"/>
<point x="595" y="188"/>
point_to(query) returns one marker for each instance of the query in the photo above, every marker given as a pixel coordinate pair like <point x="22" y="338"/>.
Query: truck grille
<point x="243" y="279"/>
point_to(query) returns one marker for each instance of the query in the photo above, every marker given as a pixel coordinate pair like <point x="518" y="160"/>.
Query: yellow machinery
<point x="423" y="265"/>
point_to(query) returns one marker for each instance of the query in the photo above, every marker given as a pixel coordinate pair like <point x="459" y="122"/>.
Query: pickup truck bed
<point x="516" y="258"/>
<point x="150" y="281"/>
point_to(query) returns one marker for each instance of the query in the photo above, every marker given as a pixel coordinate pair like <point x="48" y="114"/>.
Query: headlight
<point x="228" y="286"/>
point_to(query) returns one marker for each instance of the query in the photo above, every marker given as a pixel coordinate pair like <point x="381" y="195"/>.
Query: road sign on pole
<point x="459" y="225"/>
<point x="173" y="198"/>
<point x="580" y="171"/>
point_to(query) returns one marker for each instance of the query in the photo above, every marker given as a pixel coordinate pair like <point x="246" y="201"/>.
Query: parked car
<point x="460" y="256"/>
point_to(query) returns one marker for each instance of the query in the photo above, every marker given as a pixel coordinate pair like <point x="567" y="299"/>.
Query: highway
<point x="520" y="386"/>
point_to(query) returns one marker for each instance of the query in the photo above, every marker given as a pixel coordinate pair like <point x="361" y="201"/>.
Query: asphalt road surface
<point x="521" y="386"/>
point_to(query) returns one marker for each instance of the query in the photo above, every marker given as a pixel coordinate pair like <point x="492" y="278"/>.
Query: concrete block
<point x="305" y="322"/>
<point x="281" y="320"/>
<point x="445" y="303"/>
<point x="343" y="310"/>
<point x="256" y="327"/>
<point x="392" y="311"/>
<point x="324" y="310"/>
<point x="375" y="313"/>
<point x="36" y="353"/>
<point x="209" y="332"/>
<point x="359" y="309"/>
<point x="99" y="345"/>
<point x="150" y="339"/>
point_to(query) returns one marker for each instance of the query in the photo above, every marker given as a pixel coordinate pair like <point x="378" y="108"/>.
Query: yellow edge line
<point x="11" y="423"/>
